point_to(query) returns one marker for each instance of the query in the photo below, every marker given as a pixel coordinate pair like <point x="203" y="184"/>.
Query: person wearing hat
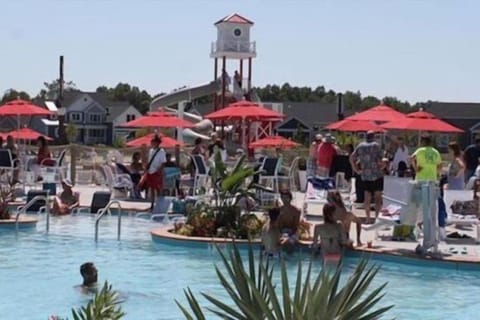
<point x="326" y="151"/>
<point x="66" y="200"/>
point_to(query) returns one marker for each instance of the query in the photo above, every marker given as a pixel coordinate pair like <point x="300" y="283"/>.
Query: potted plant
<point x="222" y="217"/>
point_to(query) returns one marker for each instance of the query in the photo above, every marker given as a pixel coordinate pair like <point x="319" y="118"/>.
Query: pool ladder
<point x="23" y="210"/>
<point x="106" y="210"/>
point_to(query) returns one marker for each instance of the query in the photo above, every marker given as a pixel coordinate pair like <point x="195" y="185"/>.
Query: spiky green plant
<point x="104" y="306"/>
<point x="253" y="293"/>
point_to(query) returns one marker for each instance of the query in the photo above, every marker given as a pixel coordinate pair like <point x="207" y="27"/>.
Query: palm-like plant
<point x="254" y="295"/>
<point x="104" y="306"/>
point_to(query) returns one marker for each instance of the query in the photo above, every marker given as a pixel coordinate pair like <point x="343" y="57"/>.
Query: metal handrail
<point x="102" y="212"/>
<point x="31" y="203"/>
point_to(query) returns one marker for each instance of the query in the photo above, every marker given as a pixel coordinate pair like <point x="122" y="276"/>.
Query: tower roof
<point x="234" y="18"/>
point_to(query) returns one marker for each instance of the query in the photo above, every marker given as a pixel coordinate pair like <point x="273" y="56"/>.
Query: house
<point x="95" y="117"/>
<point x="465" y="116"/>
<point x="306" y="119"/>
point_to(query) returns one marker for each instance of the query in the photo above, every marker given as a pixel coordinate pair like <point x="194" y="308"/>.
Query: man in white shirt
<point x="156" y="160"/>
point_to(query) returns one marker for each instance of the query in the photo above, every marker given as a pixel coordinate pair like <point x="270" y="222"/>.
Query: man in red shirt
<point x="325" y="153"/>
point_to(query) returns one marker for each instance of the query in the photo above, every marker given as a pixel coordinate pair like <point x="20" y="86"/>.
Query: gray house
<point x="306" y="118"/>
<point x="95" y="117"/>
<point x="465" y="116"/>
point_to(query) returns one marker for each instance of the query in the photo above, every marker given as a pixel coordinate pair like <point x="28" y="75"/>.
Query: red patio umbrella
<point x="158" y="121"/>
<point x="21" y="107"/>
<point x="348" y="125"/>
<point x="244" y="110"/>
<point x="421" y="121"/>
<point x="24" y="134"/>
<point x="167" y="142"/>
<point x="273" y="142"/>
<point x="380" y="113"/>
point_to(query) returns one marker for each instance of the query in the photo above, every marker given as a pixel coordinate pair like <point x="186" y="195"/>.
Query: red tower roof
<point x="234" y="18"/>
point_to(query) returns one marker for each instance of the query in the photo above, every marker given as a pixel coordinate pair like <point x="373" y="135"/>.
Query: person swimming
<point x="89" y="274"/>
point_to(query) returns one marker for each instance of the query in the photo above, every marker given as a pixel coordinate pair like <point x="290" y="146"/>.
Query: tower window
<point x="237" y="32"/>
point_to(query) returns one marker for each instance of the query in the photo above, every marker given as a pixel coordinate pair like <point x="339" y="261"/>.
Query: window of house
<point x="95" y="117"/>
<point x="96" y="133"/>
<point x="130" y="117"/>
<point x="75" y="116"/>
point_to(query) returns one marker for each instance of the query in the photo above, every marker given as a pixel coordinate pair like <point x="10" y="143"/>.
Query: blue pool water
<point x="38" y="273"/>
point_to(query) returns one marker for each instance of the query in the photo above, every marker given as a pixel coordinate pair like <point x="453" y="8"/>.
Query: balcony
<point x="235" y="49"/>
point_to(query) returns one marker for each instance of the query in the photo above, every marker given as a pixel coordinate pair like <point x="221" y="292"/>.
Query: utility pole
<point x="62" y="136"/>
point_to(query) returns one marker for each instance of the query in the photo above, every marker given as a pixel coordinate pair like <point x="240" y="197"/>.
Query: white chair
<point x="201" y="176"/>
<point x="162" y="211"/>
<point x="119" y="184"/>
<point x="269" y="173"/>
<point x="58" y="168"/>
<point x="291" y="174"/>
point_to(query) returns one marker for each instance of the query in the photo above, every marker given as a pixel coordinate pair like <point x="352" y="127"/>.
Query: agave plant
<point x="254" y="295"/>
<point x="104" y="306"/>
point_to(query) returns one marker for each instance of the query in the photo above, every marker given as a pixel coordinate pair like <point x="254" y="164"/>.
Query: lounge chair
<point x="100" y="200"/>
<point x="457" y="219"/>
<point x="162" y="211"/>
<point x="37" y="206"/>
<point x="7" y="164"/>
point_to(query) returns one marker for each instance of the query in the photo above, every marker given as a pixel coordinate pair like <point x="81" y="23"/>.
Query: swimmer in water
<point x="90" y="275"/>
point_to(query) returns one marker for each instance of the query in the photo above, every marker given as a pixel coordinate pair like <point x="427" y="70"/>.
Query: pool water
<point x="38" y="274"/>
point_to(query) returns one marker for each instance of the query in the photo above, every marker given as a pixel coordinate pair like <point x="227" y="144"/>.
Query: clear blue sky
<point x="414" y="50"/>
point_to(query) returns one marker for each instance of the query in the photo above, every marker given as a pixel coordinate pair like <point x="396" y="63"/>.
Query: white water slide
<point x="185" y="94"/>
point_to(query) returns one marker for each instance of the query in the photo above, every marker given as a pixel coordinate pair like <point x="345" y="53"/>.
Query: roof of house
<point x="311" y="113"/>
<point x="234" y="18"/>
<point x="115" y="111"/>
<point x="454" y="110"/>
<point x="115" y="108"/>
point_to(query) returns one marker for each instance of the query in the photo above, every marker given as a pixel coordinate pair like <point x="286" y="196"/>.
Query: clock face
<point x="237" y="32"/>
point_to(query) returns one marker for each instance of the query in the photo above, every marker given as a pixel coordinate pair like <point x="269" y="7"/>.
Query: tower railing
<point x="239" y="46"/>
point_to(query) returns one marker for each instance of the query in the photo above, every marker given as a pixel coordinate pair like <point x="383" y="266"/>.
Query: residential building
<point x="465" y="116"/>
<point x="96" y="118"/>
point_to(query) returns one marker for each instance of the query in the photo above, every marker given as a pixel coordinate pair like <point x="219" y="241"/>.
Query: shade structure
<point x="167" y="142"/>
<point x="245" y="110"/>
<point x="421" y="121"/>
<point x="273" y="142"/>
<point x="24" y="134"/>
<point x="380" y="113"/>
<point x="21" y="107"/>
<point x="348" y="125"/>
<point x="158" y="119"/>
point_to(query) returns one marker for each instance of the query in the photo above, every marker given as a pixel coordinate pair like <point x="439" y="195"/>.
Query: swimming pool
<point x="38" y="273"/>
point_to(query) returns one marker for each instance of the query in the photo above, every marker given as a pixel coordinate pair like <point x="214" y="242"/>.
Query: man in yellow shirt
<point x="426" y="161"/>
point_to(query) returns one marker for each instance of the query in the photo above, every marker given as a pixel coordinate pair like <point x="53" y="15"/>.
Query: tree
<point x="140" y="99"/>
<point x="51" y="89"/>
<point x="254" y="296"/>
<point x="369" y="101"/>
<point x="71" y="132"/>
<point x="12" y="94"/>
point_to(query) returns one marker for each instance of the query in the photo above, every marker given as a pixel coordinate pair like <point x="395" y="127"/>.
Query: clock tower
<point x="233" y="43"/>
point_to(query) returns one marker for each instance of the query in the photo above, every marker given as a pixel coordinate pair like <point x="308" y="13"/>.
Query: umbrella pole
<point x="244" y="140"/>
